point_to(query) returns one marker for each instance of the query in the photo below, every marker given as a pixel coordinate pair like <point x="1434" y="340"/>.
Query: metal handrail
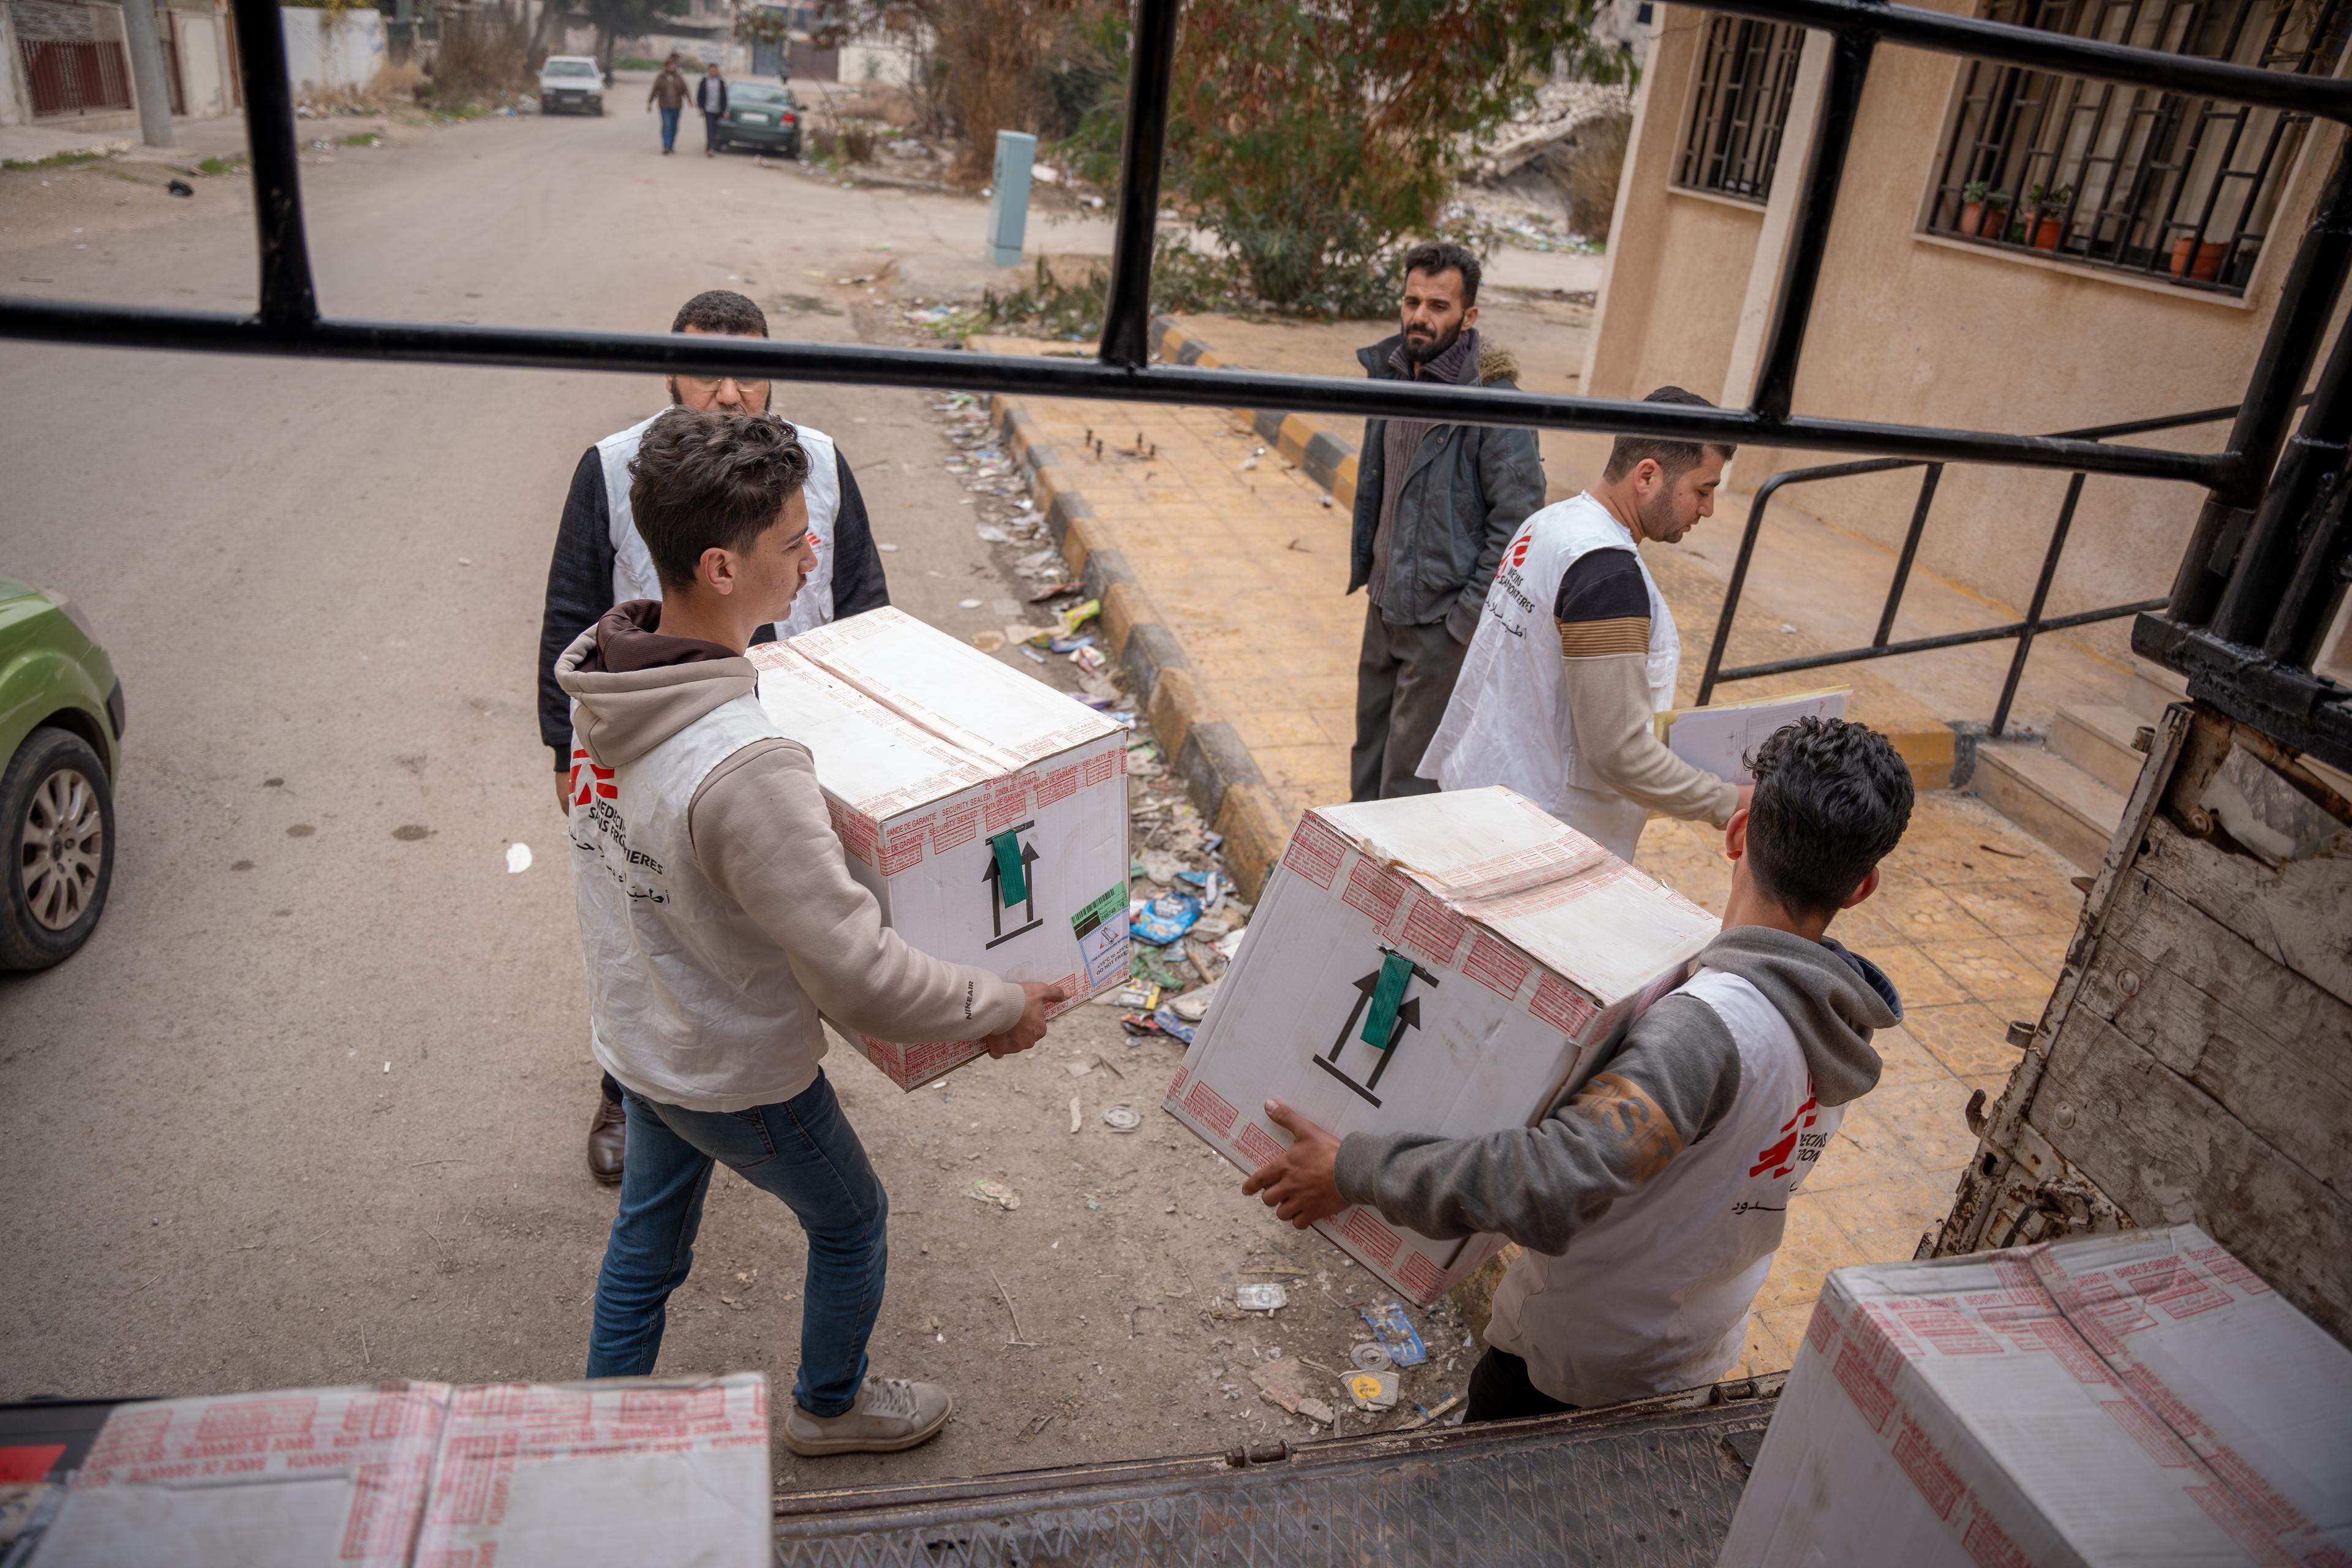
<point x="1880" y="646"/>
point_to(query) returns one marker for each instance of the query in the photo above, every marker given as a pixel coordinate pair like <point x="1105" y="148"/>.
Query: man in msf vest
<point x="600" y="560"/>
<point x="1576" y="654"/>
<point x="721" y="925"/>
<point x="1651" y="1200"/>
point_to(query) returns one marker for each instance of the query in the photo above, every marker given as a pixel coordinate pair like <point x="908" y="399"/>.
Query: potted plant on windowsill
<point x="2199" y="263"/>
<point x="1984" y="213"/>
<point x="2046" y="228"/>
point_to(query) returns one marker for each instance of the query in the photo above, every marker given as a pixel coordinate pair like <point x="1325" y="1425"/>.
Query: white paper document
<point x="1720" y="739"/>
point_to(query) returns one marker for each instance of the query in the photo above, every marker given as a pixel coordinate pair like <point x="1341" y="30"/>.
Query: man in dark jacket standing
<point x="1436" y="504"/>
<point x="710" y="97"/>
<point x="669" y="95"/>
<point x="601" y="560"/>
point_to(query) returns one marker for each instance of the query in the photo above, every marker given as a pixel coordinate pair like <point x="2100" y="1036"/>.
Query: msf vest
<point x="1509" y="723"/>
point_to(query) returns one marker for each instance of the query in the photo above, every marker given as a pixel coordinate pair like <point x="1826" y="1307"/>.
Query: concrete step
<point x="2098" y="739"/>
<point x="2153" y="690"/>
<point x="2050" y="798"/>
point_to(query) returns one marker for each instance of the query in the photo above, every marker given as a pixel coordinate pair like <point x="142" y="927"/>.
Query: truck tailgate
<point x="1649" y="1483"/>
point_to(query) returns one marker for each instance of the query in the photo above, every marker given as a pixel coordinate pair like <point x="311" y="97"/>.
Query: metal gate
<point x="74" y="76"/>
<point x="2263" y="570"/>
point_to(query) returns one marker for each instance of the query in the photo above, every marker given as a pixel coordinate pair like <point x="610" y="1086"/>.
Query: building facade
<point x="69" y="66"/>
<point x="2012" y="249"/>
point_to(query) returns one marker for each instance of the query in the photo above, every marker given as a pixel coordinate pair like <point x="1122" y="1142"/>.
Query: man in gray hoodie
<point x="721" y="927"/>
<point x="1651" y="1200"/>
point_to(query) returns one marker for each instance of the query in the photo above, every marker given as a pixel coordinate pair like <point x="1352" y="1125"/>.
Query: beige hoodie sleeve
<point x="1616" y="733"/>
<point x="761" y="835"/>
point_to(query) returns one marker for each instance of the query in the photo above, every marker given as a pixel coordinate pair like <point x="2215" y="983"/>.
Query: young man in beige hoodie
<point x="722" y="926"/>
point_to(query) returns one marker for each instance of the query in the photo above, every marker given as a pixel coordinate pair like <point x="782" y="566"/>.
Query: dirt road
<point x="309" y="1107"/>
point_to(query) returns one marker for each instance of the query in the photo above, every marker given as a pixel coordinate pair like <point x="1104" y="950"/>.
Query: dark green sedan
<point x="765" y="119"/>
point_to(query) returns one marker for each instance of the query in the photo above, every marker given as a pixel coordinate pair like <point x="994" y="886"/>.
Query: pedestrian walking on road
<point x="1577" y="654"/>
<point x="721" y="928"/>
<point x="600" y="560"/>
<point x="710" y="97"/>
<point x="669" y="96"/>
<point x="1434" y="506"/>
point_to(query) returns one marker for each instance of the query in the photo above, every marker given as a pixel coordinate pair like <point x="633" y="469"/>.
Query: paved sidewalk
<point x="1222" y="569"/>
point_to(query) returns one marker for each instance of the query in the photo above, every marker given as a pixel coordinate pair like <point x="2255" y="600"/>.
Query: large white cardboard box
<point x="2135" y="1398"/>
<point x="1515" y="950"/>
<point x="617" y="1472"/>
<point x="944" y="771"/>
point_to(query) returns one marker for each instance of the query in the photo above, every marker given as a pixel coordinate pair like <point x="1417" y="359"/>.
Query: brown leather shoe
<point x="606" y="1136"/>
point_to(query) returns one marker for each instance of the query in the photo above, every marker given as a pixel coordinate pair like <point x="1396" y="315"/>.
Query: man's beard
<point x="1422" y="352"/>
<point x="1658" y="519"/>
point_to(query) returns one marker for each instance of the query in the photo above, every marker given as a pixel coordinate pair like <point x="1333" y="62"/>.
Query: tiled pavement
<point x="1245" y="563"/>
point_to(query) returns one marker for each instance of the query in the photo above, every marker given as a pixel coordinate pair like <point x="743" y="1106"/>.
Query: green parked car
<point x="766" y="119"/>
<point x="60" y="749"/>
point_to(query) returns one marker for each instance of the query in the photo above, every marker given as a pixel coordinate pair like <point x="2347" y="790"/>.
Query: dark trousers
<point x="1405" y="678"/>
<point x="612" y="1087"/>
<point x="709" y="131"/>
<point x="1499" y="1391"/>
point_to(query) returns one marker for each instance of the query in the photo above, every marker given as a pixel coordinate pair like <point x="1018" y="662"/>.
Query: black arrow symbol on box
<point x="993" y="877"/>
<point x="1408" y="1016"/>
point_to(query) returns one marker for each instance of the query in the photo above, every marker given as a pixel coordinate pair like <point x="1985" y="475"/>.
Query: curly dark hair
<point x="711" y="480"/>
<point x="1832" y="800"/>
<point x="722" y="310"/>
<point x="1433" y="257"/>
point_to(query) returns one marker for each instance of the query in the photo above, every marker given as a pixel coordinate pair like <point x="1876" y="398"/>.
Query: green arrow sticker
<point x="1012" y="887"/>
<point x="1396" y="969"/>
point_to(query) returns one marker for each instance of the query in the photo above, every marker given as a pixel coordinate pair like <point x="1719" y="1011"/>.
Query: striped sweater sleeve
<point x="1603" y="615"/>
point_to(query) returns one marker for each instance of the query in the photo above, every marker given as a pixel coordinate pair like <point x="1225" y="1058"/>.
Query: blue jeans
<point x="805" y="1153"/>
<point x="670" y="129"/>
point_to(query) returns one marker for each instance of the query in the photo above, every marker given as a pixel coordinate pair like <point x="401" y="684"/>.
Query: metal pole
<point x="1916" y="27"/>
<point x="148" y="80"/>
<point x="1776" y="373"/>
<point x="1733" y="589"/>
<point x="289" y="302"/>
<point x="1151" y="69"/>
<point x="2033" y="611"/>
<point x="2306" y="304"/>
<point x="1910" y="553"/>
<point x="2257" y="587"/>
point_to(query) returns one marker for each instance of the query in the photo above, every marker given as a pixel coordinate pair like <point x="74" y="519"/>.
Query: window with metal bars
<point x="1747" y="74"/>
<point x="2171" y="185"/>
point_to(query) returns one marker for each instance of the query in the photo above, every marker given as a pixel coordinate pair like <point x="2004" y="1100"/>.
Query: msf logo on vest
<point x="1799" y="1144"/>
<point x="597" y="829"/>
<point x="1508" y="578"/>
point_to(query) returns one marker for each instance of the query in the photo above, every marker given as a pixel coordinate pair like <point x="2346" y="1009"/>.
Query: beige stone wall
<point x="1916" y="329"/>
<point x="1678" y="260"/>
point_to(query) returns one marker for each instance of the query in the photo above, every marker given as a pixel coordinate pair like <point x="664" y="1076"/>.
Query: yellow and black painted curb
<point x="1205" y="751"/>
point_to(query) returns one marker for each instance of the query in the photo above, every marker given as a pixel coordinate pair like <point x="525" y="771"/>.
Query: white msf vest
<point x="633" y="565"/>
<point x="1508" y="722"/>
<point x="1653" y="1297"/>
<point x="688" y="997"/>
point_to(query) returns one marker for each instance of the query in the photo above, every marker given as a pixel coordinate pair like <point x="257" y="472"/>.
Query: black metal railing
<point x="1881" y="645"/>
<point x="2219" y="582"/>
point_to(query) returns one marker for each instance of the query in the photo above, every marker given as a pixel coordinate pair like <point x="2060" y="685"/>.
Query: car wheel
<point x="57" y="813"/>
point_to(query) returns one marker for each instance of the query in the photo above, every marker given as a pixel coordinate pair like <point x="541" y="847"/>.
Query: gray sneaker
<point x="891" y="1414"/>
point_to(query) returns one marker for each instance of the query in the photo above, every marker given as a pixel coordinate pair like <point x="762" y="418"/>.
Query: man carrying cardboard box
<point x="600" y="561"/>
<point x="1576" y="654"/>
<point x="721" y="924"/>
<point x="1651" y="1200"/>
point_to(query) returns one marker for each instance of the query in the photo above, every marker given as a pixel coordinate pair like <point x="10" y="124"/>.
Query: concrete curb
<point x="1208" y="754"/>
<point x="1326" y="458"/>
